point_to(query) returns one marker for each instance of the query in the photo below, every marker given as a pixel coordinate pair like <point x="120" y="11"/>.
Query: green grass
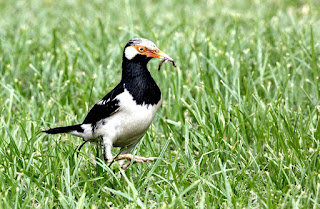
<point x="239" y="124"/>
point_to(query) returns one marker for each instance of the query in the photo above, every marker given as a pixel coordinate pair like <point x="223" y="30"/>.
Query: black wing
<point x="105" y="107"/>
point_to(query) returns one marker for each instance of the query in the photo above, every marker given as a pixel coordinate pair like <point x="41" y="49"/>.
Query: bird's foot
<point x="129" y="157"/>
<point x="137" y="159"/>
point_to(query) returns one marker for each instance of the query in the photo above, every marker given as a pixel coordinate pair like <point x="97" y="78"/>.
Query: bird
<point x="122" y="117"/>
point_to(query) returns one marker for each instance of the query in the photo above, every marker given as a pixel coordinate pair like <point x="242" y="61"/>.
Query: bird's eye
<point x="141" y="49"/>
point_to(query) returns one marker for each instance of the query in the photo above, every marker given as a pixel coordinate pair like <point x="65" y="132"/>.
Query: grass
<point x="239" y="124"/>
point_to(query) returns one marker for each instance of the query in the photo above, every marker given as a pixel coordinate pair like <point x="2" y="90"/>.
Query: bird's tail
<point x="65" y="129"/>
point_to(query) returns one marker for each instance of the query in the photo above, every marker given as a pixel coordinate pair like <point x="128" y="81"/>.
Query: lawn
<point x="239" y="123"/>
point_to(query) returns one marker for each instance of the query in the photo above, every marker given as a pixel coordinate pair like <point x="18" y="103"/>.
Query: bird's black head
<point x="140" y="50"/>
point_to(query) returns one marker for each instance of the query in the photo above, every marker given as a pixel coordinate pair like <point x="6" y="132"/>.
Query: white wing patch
<point x="103" y="102"/>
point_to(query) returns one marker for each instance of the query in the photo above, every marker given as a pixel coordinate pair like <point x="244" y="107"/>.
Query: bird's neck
<point x="139" y="83"/>
<point x="133" y="70"/>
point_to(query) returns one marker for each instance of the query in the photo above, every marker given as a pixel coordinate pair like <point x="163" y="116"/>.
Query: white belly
<point x="129" y="124"/>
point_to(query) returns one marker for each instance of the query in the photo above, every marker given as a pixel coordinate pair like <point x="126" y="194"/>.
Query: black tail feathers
<point x="65" y="129"/>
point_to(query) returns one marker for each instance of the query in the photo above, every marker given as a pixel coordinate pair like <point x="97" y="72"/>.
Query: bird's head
<point x="143" y="50"/>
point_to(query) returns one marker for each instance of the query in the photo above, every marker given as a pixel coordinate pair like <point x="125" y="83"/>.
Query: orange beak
<point x="158" y="54"/>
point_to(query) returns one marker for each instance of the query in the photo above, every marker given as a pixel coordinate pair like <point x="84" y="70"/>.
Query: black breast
<point x="139" y="83"/>
<point x="144" y="90"/>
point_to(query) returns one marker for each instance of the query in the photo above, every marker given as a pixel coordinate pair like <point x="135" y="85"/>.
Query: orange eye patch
<point x="140" y="48"/>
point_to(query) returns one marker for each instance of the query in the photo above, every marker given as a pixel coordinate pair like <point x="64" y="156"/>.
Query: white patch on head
<point x="130" y="52"/>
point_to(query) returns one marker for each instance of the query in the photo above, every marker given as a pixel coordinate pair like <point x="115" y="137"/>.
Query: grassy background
<point x="239" y="122"/>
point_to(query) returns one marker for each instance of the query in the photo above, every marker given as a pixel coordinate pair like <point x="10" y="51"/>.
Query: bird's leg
<point x="130" y="158"/>
<point x="122" y="155"/>
<point x="125" y="150"/>
<point x="107" y="154"/>
<point x="126" y="165"/>
<point x="137" y="159"/>
<point x="113" y="158"/>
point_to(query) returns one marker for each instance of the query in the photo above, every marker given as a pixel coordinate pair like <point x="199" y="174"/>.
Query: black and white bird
<point x="122" y="117"/>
